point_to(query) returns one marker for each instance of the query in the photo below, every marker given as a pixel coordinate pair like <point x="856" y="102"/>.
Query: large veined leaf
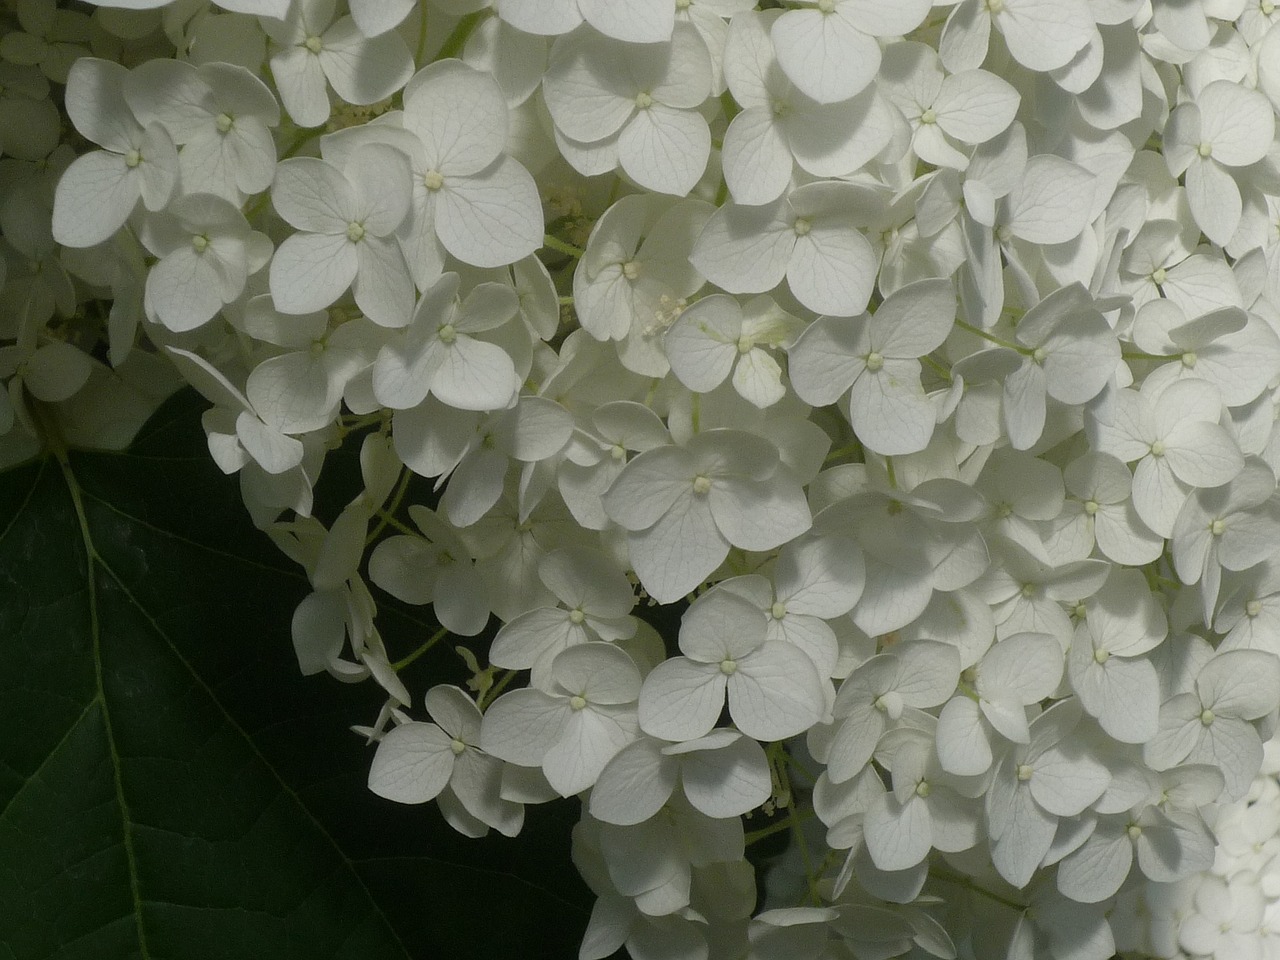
<point x="170" y="786"/>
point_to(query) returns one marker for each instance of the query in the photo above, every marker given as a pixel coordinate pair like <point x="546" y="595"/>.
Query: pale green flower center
<point x="355" y="231"/>
<point x="728" y="667"/>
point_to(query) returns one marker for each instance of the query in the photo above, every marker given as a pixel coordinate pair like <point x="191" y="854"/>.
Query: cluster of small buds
<point x="916" y="364"/>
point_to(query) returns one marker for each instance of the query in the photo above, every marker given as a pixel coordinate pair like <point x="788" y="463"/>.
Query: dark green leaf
<point x="170" y="786"/>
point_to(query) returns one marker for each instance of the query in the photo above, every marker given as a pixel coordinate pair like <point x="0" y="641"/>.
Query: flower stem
<point x="454" y="44"/>
<point x="555" y="243"/>
<point x="431" y="642"/>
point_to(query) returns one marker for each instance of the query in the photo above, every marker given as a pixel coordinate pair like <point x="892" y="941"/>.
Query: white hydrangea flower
<point x="773" y="689"/>
<point x="315" y="49"/>
<point x="346" y="218"/>
<point x="99" y="191"/>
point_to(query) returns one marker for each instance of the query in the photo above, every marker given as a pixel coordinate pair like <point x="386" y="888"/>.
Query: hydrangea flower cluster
<point x="921" y="359"/>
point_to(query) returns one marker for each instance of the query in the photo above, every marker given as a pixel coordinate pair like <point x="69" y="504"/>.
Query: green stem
<point x="979" y="332"/>
<point x="431" y="642"/>
<point x="851" y="449"/>
<point x="797" y="835"/>
<point x="386" y="520"/>
<point x="453" y="46"/>
<point x="420" y="52"/>
<point x="946" y="876"/>
<point x="492" y="693"/>
<point x="1139" y="355"/>
<point x="568" y="249"/>
<point x="384" y="516"/>
<point x="941" y="369"/>
<point x="566" y="301"/>
<point x="800" y="814"/>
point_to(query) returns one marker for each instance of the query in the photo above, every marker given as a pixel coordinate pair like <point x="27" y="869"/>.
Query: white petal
<point x="1214" y="199"/>
<point x="897" y="835"/>
<point x="1052" y="202"/>
<point x="635" y="784"/>
<point x="727" y="781"/>
<point x="1095" y="871"/>
<point x="760" y="514"/>
<point x="312" y="194"/>
<point x="823" y="55"/>
<point x="382" y="286"/>
<point x="756" y="161"/>
<point x="1045" y="34"/>
<point x="638" y="21"/>
<point x="889" y="410"/>
<point x="703" y="342"/>
<point x="681" y="699"/>
<point x="775" y="693"/>
<point x="521" y="726"/>
<point x="963" y="746"/>
<point x="272" y="450"/>
<point x="832" y="270"/>
<point x="475" y="375"/>
<point x="493" y="218"/>
<point x="311" y="270"/>
<point x="745" y="249"/>
<point x="679" y="552"/>
<point x="412" y="764"/>
<point x="364" y="70"/>
<point x="664" y="149"/>
<point x="182" y="289"/>
<point x="460" y="115"/>
<point x="93" y="199"/>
